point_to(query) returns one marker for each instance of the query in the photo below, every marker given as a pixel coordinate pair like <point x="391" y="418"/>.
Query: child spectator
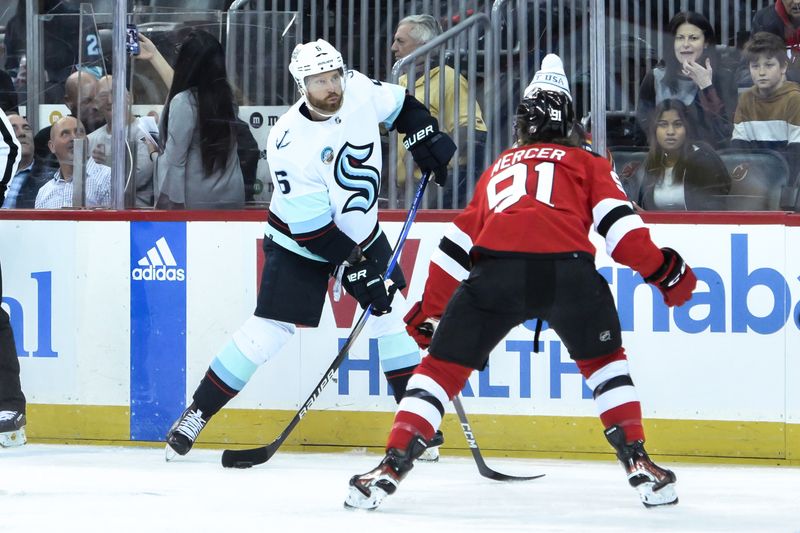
<point x="783" y="19"/>
<point x="693" y="75"/>
<point x="768" y="115"/>
<point x="679" y="172"/>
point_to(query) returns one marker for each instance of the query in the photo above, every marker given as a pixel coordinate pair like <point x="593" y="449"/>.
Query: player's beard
<point x="327" y="104"/>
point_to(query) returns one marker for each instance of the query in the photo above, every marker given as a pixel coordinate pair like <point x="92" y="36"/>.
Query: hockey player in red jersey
<point x="520" y="250"/>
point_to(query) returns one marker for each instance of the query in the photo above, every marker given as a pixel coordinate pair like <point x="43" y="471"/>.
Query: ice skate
<point x="656" y="485"/>
<point x="12" y="429"/>
<point x="431" y="453"/>
<point x="368" y="491"/>
<point x="184" y="432"/>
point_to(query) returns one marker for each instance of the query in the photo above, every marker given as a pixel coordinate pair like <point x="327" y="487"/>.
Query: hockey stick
<point x="262" y="454"/>
<point x="483" y="468"/>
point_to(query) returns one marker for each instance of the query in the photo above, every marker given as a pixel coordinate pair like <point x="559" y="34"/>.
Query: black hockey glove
<point x="431" y="150"/>
<point x="364" y="281"/>
<point x="674" y="278"/>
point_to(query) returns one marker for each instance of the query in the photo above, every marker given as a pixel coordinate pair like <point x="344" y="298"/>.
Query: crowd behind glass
<point x="712" y="131"/>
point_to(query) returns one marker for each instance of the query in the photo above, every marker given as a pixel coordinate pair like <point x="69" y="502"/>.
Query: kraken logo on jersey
<point x="352" y="174"/>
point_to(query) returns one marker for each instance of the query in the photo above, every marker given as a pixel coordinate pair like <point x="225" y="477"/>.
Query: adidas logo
<point x="158" y="265"/>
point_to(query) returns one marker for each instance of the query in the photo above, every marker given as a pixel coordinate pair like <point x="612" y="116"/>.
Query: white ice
<point x="59" y="488"/>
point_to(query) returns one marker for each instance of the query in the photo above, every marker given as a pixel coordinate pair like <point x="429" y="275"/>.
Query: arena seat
<point x="627" y="160"/>
<point x="759" y="180"/>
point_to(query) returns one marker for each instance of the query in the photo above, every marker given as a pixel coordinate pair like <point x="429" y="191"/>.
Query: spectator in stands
<point x="199" y="167"/>
<point x="79" y="97"/>
<point x="247" y="148"/>
<point x="21" y="193"/>
<point x="139" y="129"/>
<point x="412" y="32"/>
<point x="57" y="192"/>
<point x="690" y="72"/>
<point x="783" y="19"/>
<point x="768" y="114"/>
<point x="679" y="172"/>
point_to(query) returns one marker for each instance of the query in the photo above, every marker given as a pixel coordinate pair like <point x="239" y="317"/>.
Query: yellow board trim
<point x="497" y="435"/>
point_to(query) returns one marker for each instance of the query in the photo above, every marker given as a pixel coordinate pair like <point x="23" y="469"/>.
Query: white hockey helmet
<point x="312" y="58"/>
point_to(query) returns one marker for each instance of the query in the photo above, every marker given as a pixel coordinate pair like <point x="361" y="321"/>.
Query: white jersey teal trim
<point x="307" y="213"/>
<point x="397" y="351"/>
<point x="233" y="367"/>
<point x="290" y="244"/>
<point x="400" y="96"/>
<point x="330" y="169"/>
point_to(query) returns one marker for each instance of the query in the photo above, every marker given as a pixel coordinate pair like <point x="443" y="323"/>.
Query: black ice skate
<point x="431" y="453"/>
<point x="184" y="432"/>
<point x="367" y="491"/>
<point x="656" y="485"/>
<point x="12" y="429"/>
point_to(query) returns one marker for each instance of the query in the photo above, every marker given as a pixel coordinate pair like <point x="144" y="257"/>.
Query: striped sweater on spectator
<point x="771" y="122"/>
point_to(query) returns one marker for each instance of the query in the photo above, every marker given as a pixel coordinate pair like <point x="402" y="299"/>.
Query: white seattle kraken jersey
<point x="331" y="170"/>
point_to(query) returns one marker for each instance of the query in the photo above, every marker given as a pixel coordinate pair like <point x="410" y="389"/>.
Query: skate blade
<point x="169" y="453"/>
<point x="666" y="495"/>
<point x="430" y="455"/>
<point x="12" y="439"/>
<point x="357" y="501"/>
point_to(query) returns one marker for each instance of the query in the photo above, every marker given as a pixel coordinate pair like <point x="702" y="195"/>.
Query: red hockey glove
<point x="674" y="278"/>
<point x="419" y="326"/>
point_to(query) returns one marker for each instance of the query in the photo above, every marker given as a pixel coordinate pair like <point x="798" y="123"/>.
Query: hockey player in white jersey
<point x="324" y="155"/>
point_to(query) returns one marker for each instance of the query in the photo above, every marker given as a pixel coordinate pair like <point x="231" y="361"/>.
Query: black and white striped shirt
<point x="10" y="153"/>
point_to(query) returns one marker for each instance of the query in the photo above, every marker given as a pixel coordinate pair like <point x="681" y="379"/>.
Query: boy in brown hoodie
<point x="768" y="114"/>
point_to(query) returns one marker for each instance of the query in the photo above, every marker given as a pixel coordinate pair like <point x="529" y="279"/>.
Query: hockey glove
<point x="420" y="326"/>
<point x="364" y="281"/>
<point x="431" y="150"/>
<point x="674" y="278"/>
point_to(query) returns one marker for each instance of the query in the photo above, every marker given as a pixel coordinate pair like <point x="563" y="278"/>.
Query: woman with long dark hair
<point x="691" y="72"/>
<point x="679" y="172"/>
<point x="199" y="166"/>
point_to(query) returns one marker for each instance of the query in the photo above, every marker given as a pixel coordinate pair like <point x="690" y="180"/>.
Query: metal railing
<point x="421" y="56"/>
<point x="617" y="49"/>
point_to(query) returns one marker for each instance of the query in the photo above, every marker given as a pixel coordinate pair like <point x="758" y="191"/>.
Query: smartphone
<point x="132" y="42"/>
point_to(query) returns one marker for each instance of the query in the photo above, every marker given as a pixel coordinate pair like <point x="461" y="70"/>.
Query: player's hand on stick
<point x="674" y="278"/>
<point x="431" y="150"/>
<point x="364" y="281"/>
<point x="420" y="326"/>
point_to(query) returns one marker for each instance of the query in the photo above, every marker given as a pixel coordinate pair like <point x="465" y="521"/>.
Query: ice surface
<point x="59" y="488"/>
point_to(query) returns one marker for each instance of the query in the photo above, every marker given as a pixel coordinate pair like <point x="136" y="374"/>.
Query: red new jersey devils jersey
<point x="540" y="200"/>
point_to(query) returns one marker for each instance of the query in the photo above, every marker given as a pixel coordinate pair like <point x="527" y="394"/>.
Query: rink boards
<point x="117" y="317"/>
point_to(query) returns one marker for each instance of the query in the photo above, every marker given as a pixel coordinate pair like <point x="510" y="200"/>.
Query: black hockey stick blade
<point x="483" y="468"/>
<point x="262" y="454"/>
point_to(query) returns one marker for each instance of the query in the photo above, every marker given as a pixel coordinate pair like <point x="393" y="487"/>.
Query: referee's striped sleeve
<point x="10" y="153"/>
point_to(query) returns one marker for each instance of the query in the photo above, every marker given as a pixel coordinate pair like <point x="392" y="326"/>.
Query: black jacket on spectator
<point x="711" y="109"/>
<point x="768" y="19"/>
<point x="705" y="180"/>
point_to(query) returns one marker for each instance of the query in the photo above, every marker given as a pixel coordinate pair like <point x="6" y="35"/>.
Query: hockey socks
<point x="429" y="389"/>
<point x="614" y="393"/>
<point x="398" y="379"/>
<point x="212" y="394"/>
